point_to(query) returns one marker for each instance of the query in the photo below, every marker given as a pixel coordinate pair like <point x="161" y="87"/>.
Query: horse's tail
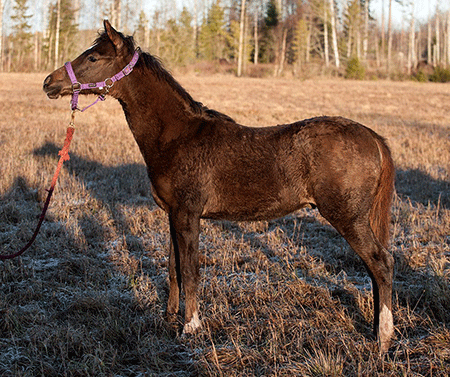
<point x="380" y="213"/>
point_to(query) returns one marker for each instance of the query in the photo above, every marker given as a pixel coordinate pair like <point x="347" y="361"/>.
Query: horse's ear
<point x="113" y="35"/>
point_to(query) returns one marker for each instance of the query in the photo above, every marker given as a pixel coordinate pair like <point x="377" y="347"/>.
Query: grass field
<point x="278" y="298"/>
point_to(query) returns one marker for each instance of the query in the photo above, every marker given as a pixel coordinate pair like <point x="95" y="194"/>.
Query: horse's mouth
<point x="56" y="92"/>
<point x="53" y="94"/>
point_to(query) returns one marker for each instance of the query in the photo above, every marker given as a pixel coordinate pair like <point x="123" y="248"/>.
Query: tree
<point x="177" y="43"/>
<point x="62" y="34"/>
<point x="334" y="34"/>
<point x="353" y="26"/>
<point x="268" y="41"/>
<point x="412" y="42"/>
<point x="241" y="38"/>
<point x="212" y="38"/>
<point x="21" y="31"/>
<point x="142" y="30"/>
<point x="2" y="4"/>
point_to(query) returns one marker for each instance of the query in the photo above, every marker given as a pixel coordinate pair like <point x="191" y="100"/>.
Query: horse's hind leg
<point x="380" y="265"/>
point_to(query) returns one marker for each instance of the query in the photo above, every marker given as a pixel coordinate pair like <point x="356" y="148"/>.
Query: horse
<point x="204" y="165"/>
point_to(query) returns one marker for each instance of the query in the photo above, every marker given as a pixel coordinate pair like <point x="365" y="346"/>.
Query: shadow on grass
<point x="115" y="186"/>
<point x="120" y="324"/>
<point x="421" y="188"/>
<point x="62" y="294"/>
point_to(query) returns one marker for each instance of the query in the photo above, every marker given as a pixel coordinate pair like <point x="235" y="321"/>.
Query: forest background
<point x="257" y="38"/>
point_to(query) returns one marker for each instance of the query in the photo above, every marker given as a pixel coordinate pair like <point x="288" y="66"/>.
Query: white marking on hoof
<point x="386" y="329"/>
<point x="193" y="325"/>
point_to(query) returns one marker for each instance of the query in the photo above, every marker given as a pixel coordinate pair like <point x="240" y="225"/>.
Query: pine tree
<point x="212" y="39"/>
<point x="22" y="37"/>
<point x="268" y="40"/>
<point x="177" y="42"/>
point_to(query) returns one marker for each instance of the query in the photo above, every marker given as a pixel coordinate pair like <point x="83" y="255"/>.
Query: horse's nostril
<point x="47" y="81"/>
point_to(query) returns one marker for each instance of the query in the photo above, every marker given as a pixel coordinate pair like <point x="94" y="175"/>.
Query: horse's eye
<point x="92" y="58"/>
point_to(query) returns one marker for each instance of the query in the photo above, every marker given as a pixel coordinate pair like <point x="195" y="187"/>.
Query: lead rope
<point x="64" y="152"/>
<point x="64" y="156"/>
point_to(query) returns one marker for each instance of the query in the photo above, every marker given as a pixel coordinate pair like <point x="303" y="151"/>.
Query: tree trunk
<point x="1" y="35"/>
<point x="448" y="38"/>
<point x="283" y="50"/>
<point x="383" y="34"/>
<point x="411" y="53"/>
<point x="334" y="34"/>
<point x="349" y="42"/>
<point x="241" y="39"/>
<point x="429" y="55"/>
<point x="195" y="28"/>
<point x="255" y="59"/>
<point x="389" y="54"/>
<point x="308" y="37"/>
<point x="366" y="30"/>
<point x="36" y="50"/>
<point x="57" y="30"/>
<point x="325" y="33"/>
<point x="438" y="44"/>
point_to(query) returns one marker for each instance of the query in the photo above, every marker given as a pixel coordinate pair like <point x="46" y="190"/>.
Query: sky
<point x="423" y="8"/>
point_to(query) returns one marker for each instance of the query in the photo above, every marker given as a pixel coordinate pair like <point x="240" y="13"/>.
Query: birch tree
<point x="366" y="29"/>
<point x="437" y="49"/>
<point x="2" y="4"/>
<point x="241" y="38"/>
<point x="325" y="33"/>
<point x="389" y="53"/>
<point x="448" y="38"/>
<point x="334" y="34"/>
<point x="412" y="42"/>
<point x="57" y="30"/>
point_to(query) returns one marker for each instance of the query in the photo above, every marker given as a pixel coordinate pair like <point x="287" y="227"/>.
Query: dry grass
<point x="278" y="298"/>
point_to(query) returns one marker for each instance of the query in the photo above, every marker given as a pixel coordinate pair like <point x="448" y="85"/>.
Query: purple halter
<point x="107" y="84"/>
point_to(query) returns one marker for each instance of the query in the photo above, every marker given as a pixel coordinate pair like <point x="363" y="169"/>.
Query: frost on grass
<point x="285" y="297"/>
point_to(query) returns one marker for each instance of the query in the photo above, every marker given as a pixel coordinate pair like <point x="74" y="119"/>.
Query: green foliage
<point x="68" y="30"/>
<point x="440" y="74"/>
<point x="212" y="38"/>
<point x="268" y="39"/>
<point x="20" y="18"/>
<point x="272" y="15"/>
<point x="177" y="42"/>
<point x="21" y="31"/>
<point x="355" y="70"/>
<point x="300" y="37"/>
<point x="420" y="76"/>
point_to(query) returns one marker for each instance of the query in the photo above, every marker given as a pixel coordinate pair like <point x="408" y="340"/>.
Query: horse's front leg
<point x="173" y="303"/>
<point x="184" y="264"/>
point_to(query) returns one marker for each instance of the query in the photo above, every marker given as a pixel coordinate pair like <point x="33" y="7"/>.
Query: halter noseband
<point x="77" y="87"/>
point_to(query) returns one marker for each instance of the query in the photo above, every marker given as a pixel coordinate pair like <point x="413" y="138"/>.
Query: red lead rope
<point x="64" y="156"/>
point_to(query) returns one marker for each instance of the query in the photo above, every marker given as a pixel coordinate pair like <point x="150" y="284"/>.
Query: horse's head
<point x="110" y="53"/>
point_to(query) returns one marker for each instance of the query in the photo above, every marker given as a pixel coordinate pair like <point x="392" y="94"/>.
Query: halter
<point x="77" y="87"/>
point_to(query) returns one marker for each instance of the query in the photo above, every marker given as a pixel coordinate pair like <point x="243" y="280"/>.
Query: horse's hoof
<point x="385" y="330"/>
<point x="192" y="326"/>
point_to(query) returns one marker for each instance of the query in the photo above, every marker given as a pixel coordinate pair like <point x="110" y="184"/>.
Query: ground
<point x="285" y="297"/>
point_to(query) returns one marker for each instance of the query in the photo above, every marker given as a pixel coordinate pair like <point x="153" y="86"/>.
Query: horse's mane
<point x="155" y="65"/>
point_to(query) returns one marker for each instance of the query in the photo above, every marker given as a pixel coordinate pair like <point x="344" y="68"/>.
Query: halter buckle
<point x="76" y="87"/>
<point x="108" y="86"/>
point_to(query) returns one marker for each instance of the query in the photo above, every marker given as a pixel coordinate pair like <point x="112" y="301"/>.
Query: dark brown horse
<point x="202" y="164"/>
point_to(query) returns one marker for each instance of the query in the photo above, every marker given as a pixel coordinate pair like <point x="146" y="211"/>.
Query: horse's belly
<point x="250" y="205"/>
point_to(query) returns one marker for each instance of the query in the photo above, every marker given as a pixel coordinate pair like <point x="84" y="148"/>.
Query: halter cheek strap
<point x="77" y="87"/>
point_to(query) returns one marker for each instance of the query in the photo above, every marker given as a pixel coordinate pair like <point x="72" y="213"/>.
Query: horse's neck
<point x="155" y="112"/>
